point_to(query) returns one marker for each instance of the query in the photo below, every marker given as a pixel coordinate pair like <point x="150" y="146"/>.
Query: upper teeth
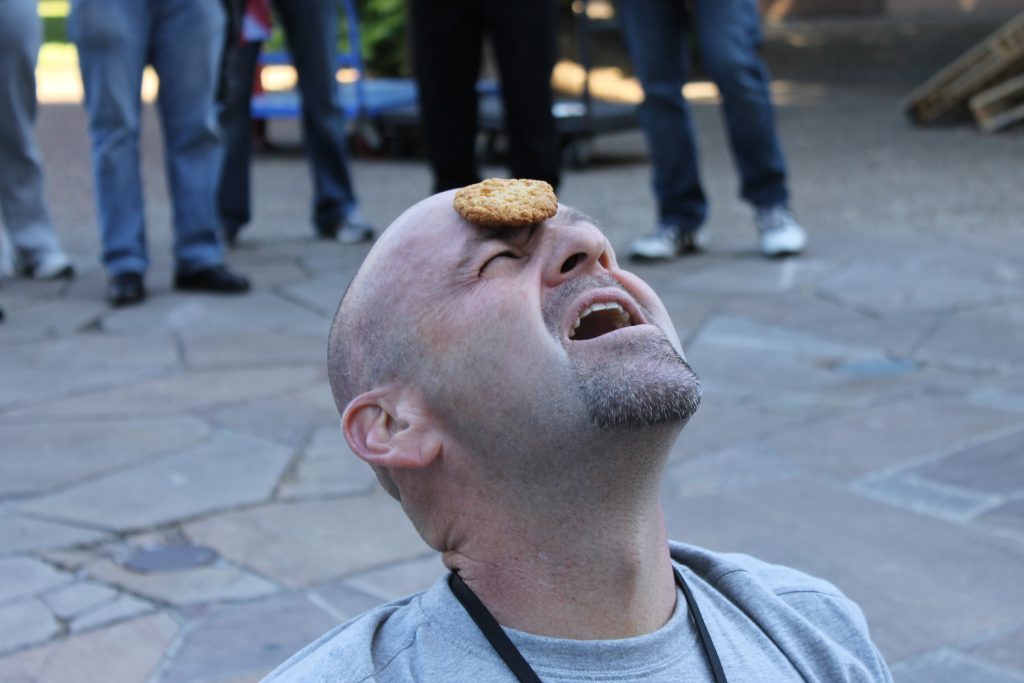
<point x="621" y="320"/>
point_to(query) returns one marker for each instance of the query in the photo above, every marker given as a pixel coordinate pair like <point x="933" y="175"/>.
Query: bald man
<point x="518" y="393"/>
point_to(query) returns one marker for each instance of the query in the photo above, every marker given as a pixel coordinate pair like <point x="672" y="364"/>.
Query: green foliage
<point x="54" y="15"/>
<point x="382" y="28"/>
<point x="381" y="23"/>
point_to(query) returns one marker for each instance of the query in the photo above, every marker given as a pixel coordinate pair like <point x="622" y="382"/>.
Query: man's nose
<point x="575" y="249"/>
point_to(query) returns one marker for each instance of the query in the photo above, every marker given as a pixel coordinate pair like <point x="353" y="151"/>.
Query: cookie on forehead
<point x="514" y="203"/>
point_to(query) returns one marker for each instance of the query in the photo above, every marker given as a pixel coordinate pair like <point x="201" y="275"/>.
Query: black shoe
<point x="327" y="232"/>
<point x="231" y="234"/>
<point x="216" y="279"/>
<point x="124" y="289"/>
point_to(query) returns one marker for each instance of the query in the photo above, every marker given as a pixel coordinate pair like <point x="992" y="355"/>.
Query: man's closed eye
<point x="498" y="258"/>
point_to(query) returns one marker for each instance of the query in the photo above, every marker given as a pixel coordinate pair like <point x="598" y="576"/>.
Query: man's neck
<point x="582" y="575"/>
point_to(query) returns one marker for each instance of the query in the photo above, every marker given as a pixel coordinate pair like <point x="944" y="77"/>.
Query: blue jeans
<point x="21" y="174"/>
<point x="183" y="40"/>
<point x="728" y="34"/>
<point x="311" y="28"/>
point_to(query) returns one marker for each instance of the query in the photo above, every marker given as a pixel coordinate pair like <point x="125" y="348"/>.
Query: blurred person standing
<point x="311" y="29"/>
<point x="447" y="41"/>
<point x="184" y="41"/>
<point x="36" y="250"/>
<point x="728" y="37"/>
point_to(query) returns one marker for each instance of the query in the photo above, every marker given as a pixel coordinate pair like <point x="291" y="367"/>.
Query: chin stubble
<point x="648" y="384"/>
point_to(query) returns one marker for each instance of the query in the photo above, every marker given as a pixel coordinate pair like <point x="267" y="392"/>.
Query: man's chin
<point x="643" y="385"/>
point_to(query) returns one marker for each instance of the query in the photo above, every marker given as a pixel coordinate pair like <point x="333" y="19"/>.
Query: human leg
<point x="526" y="66"/>
<point x="446" y="61"/>
<point x="22" y="206"/>
<point x="730" y="37"/>
<point x="311" y="27"/>
<point x="656" y="36"/>
<point x="233" y="195"/>
<point x="187" y="43"/>
<point x="112" y="41"/>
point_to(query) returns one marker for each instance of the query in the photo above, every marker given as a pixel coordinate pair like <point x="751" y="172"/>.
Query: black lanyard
<point x="510" y="654"/>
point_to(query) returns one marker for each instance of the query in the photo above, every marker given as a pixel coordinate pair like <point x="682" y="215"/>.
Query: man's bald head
<point x="372" y="340"/>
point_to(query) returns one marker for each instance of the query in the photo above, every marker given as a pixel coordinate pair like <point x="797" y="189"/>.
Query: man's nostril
<point x="573" y="261"/>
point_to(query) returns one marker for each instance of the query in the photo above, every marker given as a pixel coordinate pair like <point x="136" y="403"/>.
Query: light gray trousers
<point x="21" y="175"/>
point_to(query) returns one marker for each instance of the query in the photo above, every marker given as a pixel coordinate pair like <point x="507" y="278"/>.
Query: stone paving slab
<point x="70" y="602"/>
<point x="888" y="435"/>
<point x="747" y="276"/>
<point x="203" y="350"/>
<point x="20" y="534"/>
<point x="729" y="469"/>
<point x="927" y="496"/>
<point x="883" y="288"/>
<point x="39" y="321"/>
<point x="55" y="368"/>
<point x="245" y="640"/>
<point x="720" y="423"/>
<point x="990" y="337"/>
<point x="126" y="652"/>
<point x="302" y="544"/>
<point x="996" y="466"/>
<point x="120" y="608"/>
<point x="289" y="419"/>
<point x="192" y="392"/>
<point x="220" y="582"/>
<point x="328" y="468"/>
<point x="24" y="576"/>
<point x="913" y="576"/>
<point x="951" y="667"/>
<point x="398" y="580"/>
<point x="175" y="488"/>
<point x="829" y="320"/>
<point x="26" y="622"/>
<point x="209" y="314"/>
<point x="743" y="333"/>
<point x="1004" y="392"/>
<point x="741" y="372"/>
<point x="1007" y="517"/>
<point x="46" y="456"/>
<point x="322" y="293"/>
<point x="1005" y="651"/>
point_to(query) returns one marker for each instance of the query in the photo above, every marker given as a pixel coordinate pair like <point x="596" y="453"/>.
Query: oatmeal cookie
<point x="513" y="203"/>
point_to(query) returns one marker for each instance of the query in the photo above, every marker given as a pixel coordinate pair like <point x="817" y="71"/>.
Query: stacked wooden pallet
<point x="987" y="82"/>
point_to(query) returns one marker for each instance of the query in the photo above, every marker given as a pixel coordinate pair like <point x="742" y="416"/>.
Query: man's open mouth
<point x="598" y="319"/>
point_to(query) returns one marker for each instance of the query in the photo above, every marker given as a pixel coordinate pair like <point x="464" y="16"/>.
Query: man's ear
<point x="391" y="429"/>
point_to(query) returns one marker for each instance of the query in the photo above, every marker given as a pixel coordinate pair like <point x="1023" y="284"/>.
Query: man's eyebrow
<point x="484" y="235"/>
<point x="569" y="216"/>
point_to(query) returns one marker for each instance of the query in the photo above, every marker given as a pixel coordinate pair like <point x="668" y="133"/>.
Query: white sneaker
<point x="780" y="233"/>
<point x="355" y="229"/>
<point x="666" y="244"/>
<point x="51" y="266"/>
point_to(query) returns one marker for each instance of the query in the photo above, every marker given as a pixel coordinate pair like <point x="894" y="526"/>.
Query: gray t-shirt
<point x="767" y="622"/>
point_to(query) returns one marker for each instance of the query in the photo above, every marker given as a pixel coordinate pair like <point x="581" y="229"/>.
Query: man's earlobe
<point x="388" y="433"/>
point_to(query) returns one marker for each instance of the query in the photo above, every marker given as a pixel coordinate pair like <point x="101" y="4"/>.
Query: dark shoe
<point x="125" y="289"/>
<point x="231" y="234"/>
<point x="216" y="279"/>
